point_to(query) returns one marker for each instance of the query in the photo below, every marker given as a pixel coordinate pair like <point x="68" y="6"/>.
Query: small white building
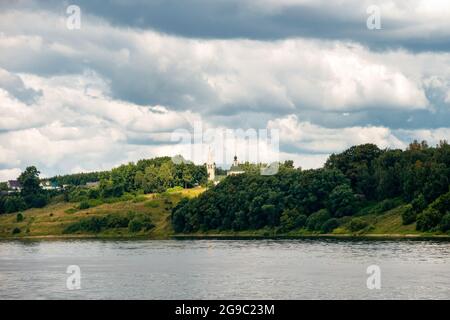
<point x="211" y="167"/>
<point x="235" y="168"/>
<point x="49" y="185"/>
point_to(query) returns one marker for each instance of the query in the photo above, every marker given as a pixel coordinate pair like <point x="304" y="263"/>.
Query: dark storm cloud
<point x="261" y="20"/>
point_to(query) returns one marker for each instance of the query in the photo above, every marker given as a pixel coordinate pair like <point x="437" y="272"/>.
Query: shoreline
<point x="234" y="237"/>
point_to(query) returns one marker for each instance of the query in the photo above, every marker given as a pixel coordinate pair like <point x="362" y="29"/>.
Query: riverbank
<point x="52" y="222"/>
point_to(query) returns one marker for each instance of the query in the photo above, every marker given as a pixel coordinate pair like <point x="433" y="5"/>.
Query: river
<point x="225" y="269"/>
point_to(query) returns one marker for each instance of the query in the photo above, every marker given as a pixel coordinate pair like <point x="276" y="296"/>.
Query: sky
<point x="116" y="89"/>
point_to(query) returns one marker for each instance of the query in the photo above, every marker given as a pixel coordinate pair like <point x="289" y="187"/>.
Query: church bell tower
<point x="211" y="166"/>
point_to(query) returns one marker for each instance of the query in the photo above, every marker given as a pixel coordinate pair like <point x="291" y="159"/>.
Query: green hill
<point x="55" y="218"/>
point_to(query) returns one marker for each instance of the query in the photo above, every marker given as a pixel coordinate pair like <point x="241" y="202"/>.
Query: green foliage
<point x="16" y="230"/>
<point x="358" y="164"/>
<point x="14" y="203"/>
<point x="135" y="225"/>
<point x="152" y="204"/>
<point x="342" y="201"/>
<point x="79" y="179"/>
<point x="90" y="225"/>
<point x="111" y="189"/>
<point x="409" y="215"/>
<point x="387" y="204"/>
<point x="138" y="199"/>
<point x="175" y="189"/>
<point x="317" y="219"/>
<point x="31" y="192"/>
<point x="329" y="225"/>
<point x="292" y="219"/>
<point x="140" y="222"/>
<point x="419" y="203"/>
<point x="29" y="179"/>
<point x="83" y="205"/>
<point x="111" y="221"/>
<point x="357" y="224"/>
<point x="445" y="223"/>
<point x="19" y="217"/>
<point x="362" y="179"/>
<point x="430" y="218"/>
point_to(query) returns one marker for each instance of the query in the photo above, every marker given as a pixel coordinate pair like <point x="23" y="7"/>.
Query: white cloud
<point x="312" y="138"/>
<point x="220" y="76"/>
<point x="9" y="174"/>
<point x="100" y="96"/>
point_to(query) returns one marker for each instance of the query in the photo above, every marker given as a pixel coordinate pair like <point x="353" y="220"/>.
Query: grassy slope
<point x="51" y="221"/>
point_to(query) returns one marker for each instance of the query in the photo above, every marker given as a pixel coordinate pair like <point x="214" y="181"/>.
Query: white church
<point x="235" y="168"/>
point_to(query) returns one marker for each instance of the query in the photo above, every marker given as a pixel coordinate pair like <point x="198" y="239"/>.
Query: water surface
<point x="225" y="269"/>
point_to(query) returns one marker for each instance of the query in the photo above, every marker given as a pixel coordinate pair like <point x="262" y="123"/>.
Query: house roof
<point x="14" y="184"/>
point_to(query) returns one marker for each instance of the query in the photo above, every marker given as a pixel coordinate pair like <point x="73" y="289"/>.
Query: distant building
<point x="49" y="185"/>
<point x="94" y="184"/>
<point x="235" y="168"/>
<point x="14" y="185"/>
<point x="211" y="167"/>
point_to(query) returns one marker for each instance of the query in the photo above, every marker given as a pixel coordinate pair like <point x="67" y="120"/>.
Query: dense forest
<point x="146" y="176"/>
<point x="321" y="199"/>
<point x="318" y="200"/>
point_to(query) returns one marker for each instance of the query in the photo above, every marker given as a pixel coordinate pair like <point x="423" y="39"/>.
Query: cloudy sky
<point x="116" y="89"/>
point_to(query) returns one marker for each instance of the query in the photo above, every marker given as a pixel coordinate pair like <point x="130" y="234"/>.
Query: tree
<point x="357" y="224"/>
<point x="329" y="225"/>
<point x="187" y="177"/>
<point x="29" y="179"/>
<point x="342" y="201"/>
<point x="357" y="163"/>
<point x="445" y="223"/>
<point x="409" y="215"/>
<point x="317" y="219"/>
<point x="428" y="219"/>
<point x="14" y="203"/>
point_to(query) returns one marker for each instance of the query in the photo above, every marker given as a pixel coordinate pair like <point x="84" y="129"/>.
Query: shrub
<point x="409" y="215"/>
<point x="16" y="230"/>
<point x="419" y="204"/>
<point x="357" y="224"/>
<point x="14" y="204"/>
<point x="300" y="221"/>
<point x="83" y="205"/>
<point x="287" y="219"/>
<point x="445" y="222"/>
<point x="152" y="204"/>
<point x="19" y="217"/>
<point x="93" y="193"/>
<point x="387" y="204"/>
<point x="135" y="225"/>
<point x="317" y="219"/>
<point x="91" y="224"/>
<point x="428" y="219"/>
<point x="329" y="225"/>
<point x="138" y="199"/>
<point x="175" y="189"/>
<point x="116" y="221"/>
<point x="342" y="201"/>
<point x="36" y="200"/>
